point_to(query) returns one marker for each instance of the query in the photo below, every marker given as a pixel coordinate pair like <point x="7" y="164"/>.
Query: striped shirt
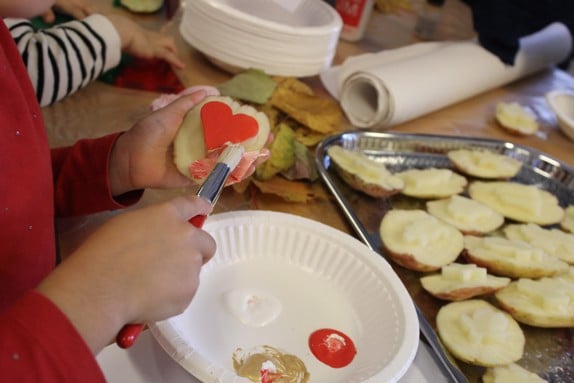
<point x="64" y="58"/>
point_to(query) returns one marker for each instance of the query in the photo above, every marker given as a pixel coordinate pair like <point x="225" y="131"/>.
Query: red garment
<point x="37" y="342"/>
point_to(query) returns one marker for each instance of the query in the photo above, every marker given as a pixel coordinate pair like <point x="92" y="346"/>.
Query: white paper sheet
<point x="393" y="86"/>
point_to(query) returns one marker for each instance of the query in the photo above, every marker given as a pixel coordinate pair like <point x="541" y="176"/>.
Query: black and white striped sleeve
<point x="64" y="58"/>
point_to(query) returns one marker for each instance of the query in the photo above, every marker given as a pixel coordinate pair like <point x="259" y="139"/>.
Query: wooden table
<point x="99" y="109"/>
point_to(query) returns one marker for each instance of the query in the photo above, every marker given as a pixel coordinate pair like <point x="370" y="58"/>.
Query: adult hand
<point x="143" y="156"/>
<point x="140" y="266"/>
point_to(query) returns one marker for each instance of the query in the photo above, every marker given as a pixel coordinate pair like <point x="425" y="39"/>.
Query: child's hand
<point x="144" y="43"/>
<point x="140" y="266"/>
<point x="78" y="9"/>
<point x="142" y="157"/>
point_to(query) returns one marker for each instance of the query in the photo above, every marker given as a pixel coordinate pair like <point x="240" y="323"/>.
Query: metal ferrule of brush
<point x="214" y="183"/>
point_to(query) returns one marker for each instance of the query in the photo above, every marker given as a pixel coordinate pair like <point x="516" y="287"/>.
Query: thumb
<point x="184" y="103"/>
<point x="190" y="206"/>
<point x="49" y="17"/>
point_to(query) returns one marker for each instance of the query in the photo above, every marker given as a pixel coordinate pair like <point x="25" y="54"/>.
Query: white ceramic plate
<point x="322" y="278"/>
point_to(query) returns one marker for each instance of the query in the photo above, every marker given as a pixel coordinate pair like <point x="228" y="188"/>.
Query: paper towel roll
<point x="394" y="86"/>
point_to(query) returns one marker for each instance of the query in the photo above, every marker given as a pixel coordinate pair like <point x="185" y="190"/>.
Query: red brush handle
<point x="198" y="220"/>
<point x="130" y="332"/>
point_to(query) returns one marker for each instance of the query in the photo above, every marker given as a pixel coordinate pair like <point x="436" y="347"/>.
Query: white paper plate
<point x="257" y="34"/>
<point x="322" y="277"/>
<point x="310" y="17"/>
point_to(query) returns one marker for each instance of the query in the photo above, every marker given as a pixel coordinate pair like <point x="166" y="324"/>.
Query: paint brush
<point x="210" y="190"/>
<point x="215" y="181"/>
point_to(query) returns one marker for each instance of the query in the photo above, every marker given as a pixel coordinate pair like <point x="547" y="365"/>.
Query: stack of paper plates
<point x="285" y="38"/>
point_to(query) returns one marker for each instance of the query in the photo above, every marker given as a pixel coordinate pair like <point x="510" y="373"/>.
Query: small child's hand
<point x="78" y="9"/>
<point x="144" y="43"/>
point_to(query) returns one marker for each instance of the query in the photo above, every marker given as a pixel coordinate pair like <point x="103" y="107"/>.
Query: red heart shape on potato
<point x="221" y="126"/>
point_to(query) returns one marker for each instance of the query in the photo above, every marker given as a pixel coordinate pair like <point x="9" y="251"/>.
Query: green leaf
<point x="252" y="85"/>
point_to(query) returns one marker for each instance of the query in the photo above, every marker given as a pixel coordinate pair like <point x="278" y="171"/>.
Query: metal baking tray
<point x="548" y="352"/>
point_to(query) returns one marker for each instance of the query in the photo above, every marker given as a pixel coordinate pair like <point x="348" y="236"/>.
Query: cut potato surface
<point x="519" y="202"/>
<point x="467" y="215"/>
<point x="511" y="373"/>
<point x="431" y="183"/>
<point x="419" y="241"/>
<point x="478" y="333"/>
<point x="554" y="242"/>
<point x="191" y="142"/>
<point x="511" y="258"/>
<point x="545" y="302"/>
<point x="364" y="174"/>
<point x="458" y="281"/>
<point x="567" y="222"/>
<point x="484" y="163"/>
<point x="516" y="119"/>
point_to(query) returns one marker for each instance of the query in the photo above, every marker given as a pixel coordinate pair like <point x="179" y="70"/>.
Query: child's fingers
<point x="167" y="51"/>
<point x="172" y="58"/>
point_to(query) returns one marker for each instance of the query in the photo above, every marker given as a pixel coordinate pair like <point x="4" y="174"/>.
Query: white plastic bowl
<point x="562" y="103"/>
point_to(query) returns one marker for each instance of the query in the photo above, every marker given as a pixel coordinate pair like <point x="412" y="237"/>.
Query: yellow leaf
<point x="292" y="191"/>
<point x="319" y="114"/>
<point x="281" y="154"/>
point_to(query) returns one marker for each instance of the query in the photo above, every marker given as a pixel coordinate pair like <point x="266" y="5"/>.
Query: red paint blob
<point x="270" y="377"/>
<point x="332" y="347"/>
<point x="221" y="126"/>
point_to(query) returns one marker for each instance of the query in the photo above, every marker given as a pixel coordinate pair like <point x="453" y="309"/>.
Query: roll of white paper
<point x="393" y="86"/>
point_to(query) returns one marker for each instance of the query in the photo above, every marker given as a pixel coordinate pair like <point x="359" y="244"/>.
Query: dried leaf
<point x="292" y="191"/>
<point x="304" y="167"/>
<point x="282" y="154"/>
<point x="308" y="137"/>
<point x="242" y="186"/>
<point x="320" y="114"/>
<point x="294" y="84"/>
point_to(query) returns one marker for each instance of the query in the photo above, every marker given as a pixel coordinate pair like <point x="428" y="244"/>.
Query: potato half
<point x="516" y="119"/>
<point x="511" y="258"/>
<point x="554" y="242"/>
<point x="510" y="373"/>
<point x="567" y="222"/>
<point x="545" y="302"/>
<point x="364" y="174"/>
<point x="519" y="202"/>
<point x="458" y="281"/>
<point x="484" y="163"/>
<point x="478" y="333"/>
<point x="466" y="214"/>
<point x="431" y="183"/>
<point x="190" y="143"/>
<point x="419" y="241"/>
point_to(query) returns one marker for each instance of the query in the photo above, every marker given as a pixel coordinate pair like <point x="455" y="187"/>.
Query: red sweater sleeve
<point x="37" y="341"/>
<point x="81" y="178"/>
<point x="46" y="350"/>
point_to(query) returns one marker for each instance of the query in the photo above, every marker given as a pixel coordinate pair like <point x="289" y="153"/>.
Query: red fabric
<point x="40" y="345"/>
<point x="153" y="75"/>
<point x="37" y="342"/>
